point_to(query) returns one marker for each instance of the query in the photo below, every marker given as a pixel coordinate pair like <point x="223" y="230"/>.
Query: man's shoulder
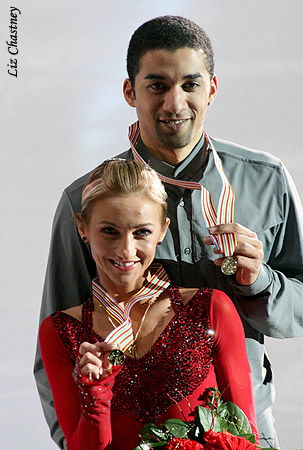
<point x="245" y="154"/>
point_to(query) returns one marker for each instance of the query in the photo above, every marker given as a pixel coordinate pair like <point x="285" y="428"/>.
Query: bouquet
<point x="217" y="425"/>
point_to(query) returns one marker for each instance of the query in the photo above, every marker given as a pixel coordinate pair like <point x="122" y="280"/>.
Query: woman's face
<point x="123" y="232"/>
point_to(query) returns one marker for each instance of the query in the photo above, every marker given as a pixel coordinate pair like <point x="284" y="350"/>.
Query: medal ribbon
<point x="123" y="334"/>
<point x="226" y="242"/>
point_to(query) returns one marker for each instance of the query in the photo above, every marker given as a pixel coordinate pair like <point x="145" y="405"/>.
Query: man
<point x="171" y="84"/>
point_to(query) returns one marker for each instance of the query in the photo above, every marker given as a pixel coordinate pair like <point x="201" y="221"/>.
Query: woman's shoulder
<point x="219" y="301"/>
<point x="75" y="312"/>
<point x="187" y="293"/>
<point x="222" y="302"/>
<point x="47" y="329"/>
<point x="50" y="323"/>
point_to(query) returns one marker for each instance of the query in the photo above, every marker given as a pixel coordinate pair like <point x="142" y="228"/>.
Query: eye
<point x="143" y="232"/>
<point x="190" y="86"/>
<point x="157" y="87"/>
<point x="111" y="231"/>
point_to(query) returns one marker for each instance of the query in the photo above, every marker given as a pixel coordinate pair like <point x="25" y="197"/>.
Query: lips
<point x="174" y="124"/>
<point x="124" y="266"/>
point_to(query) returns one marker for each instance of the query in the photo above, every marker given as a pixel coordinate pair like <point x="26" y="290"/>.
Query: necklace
<point x="123" y="335"/>
<point x="132" y="349"/>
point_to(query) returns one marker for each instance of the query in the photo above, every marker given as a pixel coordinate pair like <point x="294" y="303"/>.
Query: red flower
<point x="226" y="441"/>
<point x="211" y="398"/>
<point x="183" y="444"/>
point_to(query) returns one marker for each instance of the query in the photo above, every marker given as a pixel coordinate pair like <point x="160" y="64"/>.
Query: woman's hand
<point x="93" y="361"/>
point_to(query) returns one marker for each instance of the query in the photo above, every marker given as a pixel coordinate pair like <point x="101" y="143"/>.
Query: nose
<point x="174" y="100"/>
<point x="126" y="248"/>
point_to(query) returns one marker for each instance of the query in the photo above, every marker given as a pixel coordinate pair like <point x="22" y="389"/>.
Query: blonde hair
<point x="122" y="177"/>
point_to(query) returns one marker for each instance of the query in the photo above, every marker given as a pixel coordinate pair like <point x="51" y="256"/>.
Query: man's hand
<point x="248" y="252"/>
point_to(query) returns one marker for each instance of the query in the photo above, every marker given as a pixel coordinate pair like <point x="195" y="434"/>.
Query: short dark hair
<point x="168" y="33"/>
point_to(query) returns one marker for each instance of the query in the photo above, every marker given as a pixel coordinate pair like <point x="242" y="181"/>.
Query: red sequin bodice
<point x="172" y="369"/>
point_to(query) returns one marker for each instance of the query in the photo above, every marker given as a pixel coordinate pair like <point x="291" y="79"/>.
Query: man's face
<point x="171" y="94"/>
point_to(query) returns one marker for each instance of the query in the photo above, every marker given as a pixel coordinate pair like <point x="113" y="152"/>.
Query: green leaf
<point x="267" y="448"/>
<point x="208" y="420"/>
<point x="236" y="419"/>
<point x="249" y="437"/>
<point x="150" y="433"/>
<point x="196" y="432"/>
<point x="151" y="445"/>
<point x="222" y="422"/>
<point x="177" y="428"/>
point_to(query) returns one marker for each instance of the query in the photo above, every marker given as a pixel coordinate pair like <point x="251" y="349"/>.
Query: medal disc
<point x="116" y="357"/>
<point x="229" y="265"/>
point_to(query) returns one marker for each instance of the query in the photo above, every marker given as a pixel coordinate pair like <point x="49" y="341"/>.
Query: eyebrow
<point x="191" y="76"/>
<point x="141" y="225"/>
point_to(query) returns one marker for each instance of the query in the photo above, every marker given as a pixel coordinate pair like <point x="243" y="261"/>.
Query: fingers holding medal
<point x="96" y="361"/>
<point x="246" y="261"/>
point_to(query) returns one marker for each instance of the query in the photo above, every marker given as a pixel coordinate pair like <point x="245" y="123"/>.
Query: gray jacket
<point x="266" y="203"/>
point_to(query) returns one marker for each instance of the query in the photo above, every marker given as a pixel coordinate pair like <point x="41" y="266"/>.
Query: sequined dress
<point x="165" y="383"/>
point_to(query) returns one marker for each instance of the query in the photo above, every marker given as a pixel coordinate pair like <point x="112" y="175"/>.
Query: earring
<point x="159" y="243"/>
<point x="84" y="238"/>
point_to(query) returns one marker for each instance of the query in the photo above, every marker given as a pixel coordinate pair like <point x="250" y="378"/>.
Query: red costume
<point x="202" y="346"/>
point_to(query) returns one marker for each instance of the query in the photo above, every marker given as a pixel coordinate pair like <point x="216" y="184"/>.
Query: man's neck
<point x="191" y="164"/>
<point x="171" y="156"/>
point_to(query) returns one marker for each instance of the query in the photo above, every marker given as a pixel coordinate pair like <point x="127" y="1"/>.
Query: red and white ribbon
<point x="123" y="334"/>
<point x="226" y="242"/>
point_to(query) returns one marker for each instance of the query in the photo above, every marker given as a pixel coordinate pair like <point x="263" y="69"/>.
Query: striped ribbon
<point x="123" y="334"/>
<point x="226" y="242"/>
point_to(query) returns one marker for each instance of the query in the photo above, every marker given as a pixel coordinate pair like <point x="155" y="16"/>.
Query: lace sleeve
<point x="82" y="407"/>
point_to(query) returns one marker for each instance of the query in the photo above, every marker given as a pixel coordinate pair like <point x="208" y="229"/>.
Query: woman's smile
<point x="123" y="233"/>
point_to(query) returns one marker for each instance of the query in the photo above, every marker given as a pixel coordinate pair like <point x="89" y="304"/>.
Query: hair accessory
<point x="96" y="182"/>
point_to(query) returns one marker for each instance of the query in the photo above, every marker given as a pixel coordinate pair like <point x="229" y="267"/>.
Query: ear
<point x="81" y="227"/>
<point x="213" y="90"/>
<point x="164" y="229"/>
<point x="128" y="92"/>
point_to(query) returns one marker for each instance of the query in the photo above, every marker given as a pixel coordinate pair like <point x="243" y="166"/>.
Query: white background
<point x="65" y="113"/>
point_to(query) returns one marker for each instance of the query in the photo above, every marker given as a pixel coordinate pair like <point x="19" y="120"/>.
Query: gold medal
<point x="116" y="357"/>
<point x="229" y="265"/>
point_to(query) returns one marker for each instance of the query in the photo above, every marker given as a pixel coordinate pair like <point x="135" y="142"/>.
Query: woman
<point x="177" y="341"/>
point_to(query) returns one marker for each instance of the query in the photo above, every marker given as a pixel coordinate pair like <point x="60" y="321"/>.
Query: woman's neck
<point x="121" y="294"/>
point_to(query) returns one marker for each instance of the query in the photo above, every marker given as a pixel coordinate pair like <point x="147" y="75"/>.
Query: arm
<point x="229" y="355"/>
<point x="82" y="406"/>
<point x="67" y="283"/>
<point x="272" y="301"/>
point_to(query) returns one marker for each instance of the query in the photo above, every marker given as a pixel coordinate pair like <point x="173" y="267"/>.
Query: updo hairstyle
<point x="122" y="177"/>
